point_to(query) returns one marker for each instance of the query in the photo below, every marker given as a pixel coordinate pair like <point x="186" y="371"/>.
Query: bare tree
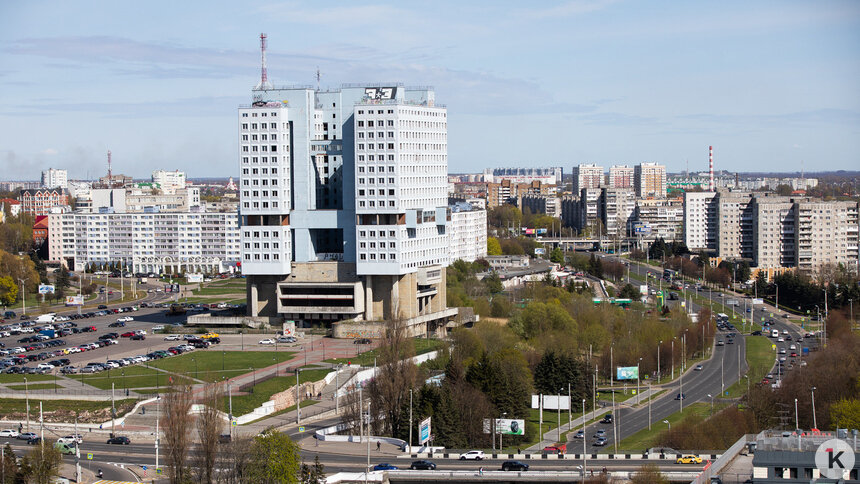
<point x="350" y="411"/>
<point x="233" y="459"/>
<point x="209" y="425"/>
<point x="176" y="424"/>
<point x="397" y="373"/>
<point x="40" y="466"/>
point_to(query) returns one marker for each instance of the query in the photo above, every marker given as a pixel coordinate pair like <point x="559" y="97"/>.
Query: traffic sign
<point x="301" y="429"/>
<point x="158" y="471"/>
<point x="773" y="347"/>
<point x="90" y="456"/>
<point x="235" y="423"/>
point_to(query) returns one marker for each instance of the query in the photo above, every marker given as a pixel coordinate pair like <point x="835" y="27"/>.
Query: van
<point x="66" y="448"/>
<point x="774" y="333"/>
<point x="9" y="314"/>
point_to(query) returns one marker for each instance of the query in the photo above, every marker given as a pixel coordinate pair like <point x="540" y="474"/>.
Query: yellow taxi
<point x="689" y="459"/>
<point x="210" y="335"/>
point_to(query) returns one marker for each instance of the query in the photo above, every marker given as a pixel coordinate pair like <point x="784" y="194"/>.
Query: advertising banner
<point x="627" y="373"/>
<point x="46" y="289"/>
<point x="74" y="300"/>
<point x="192" y="278"/>
<point x="540" y="251"/>
<point x="507" y="426"/>
<point x="424" y="431"/>
<point x="551" y="402"/>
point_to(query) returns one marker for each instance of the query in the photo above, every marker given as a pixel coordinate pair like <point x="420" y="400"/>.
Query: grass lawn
<point x="313" y="373"/>
<point x="217" y="291"/>
<point x="645" y="439"/>
<point x="213" y="365"/>
<point x="422" y="345"/>
<point x="16" y="378"/>
<point x="34" y="386"/>
<point x="243" y="404"/>
<point x="128" y="377"/>
<point x="760" y="359"/>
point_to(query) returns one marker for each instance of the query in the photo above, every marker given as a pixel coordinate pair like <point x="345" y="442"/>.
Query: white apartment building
<point x="649" y="180"/>
<point x="468" y="233"/>
<point x="621" y="176"/>
<point x="700" y="220"/>
<point x="587" y="176"/>
<point x="344" y="205"/>
<point x="665" y="217"/>
<point x="158" y="242"/>
<point x="616" y="207"/>
<point x="169" y="180"/>
<point x="52" y="178"/>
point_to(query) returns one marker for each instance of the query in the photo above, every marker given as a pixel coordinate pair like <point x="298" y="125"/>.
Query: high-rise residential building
<point x="169" y="180"/>
<point x="343" y="199"/>
<point x="146" y="242"/>
<point x="543" y="204"/>
<point x="826" y="234"/>
<point x="42" y="201"/>
<point x="664" y="217"/>
<point x="616" y="207"/>
<point x="774" y="236"/>
<point x="52" y="178"/>
<point x="700" y="221"/>
<point x="621" y="176"/>
<point x="735" y="239"/>
<point x="587" y="176"/>
<point x="508" y="192"/>
<point x="468" y="232"/>
<point x="649" y="180"/>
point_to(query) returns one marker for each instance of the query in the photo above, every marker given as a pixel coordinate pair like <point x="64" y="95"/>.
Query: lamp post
<point x="814" y="420"/>
<point x="658" y="362"/>
<point x="584" y="455"/>
<point x="673" y="359"/>
<point x="638" y="395"/>
<point x="667" y="423"/>
<point x="504" y="414"/>
<point x="712" y="402"/>
<point x="796" y="417"/>
<point x="298" y="402"/>
<point x="24" y="293"/>
<point x="27" y="396"/>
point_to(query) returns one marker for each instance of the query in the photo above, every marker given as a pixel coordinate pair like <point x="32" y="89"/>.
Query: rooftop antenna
<point x="110" y="178"/>
<point x="264" y="77"/>
<point x="318" y="78"/>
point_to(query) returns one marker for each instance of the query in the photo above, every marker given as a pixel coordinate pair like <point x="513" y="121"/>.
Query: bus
<point x="669" y="274"/>
<point x="722" y="318"/>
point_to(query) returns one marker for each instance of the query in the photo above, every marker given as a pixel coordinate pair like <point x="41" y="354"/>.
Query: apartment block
<point x="665" y="217"/>
<point x="621" y="176"/>
<point x="343" y="202"/>
<point x="468" y="232"/>
<point x="159" y="242"/>
<point x="52" y="178"/>
<point x="826" y="234"/>
<point x="700" y="221"/>
<point x="735" y="234"/>
<point x="649" y="180"/>
<point x="169" y="180"/>
<point x="509" y="192"/>
<point x="587" y="176"/>
<point x="543" y="204"/>
<point x="616" y="208"/>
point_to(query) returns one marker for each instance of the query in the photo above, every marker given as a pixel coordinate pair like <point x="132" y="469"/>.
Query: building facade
<point x="468" y="232"/>
<point x="343" y="202"/>
<point x="52" y="178"/>
<point x="543" y="204"/>
<point x="621" y="176"/>
<point x="169" y="180"/>
<point x="587" y="176"/>
<point x="41" y="201"/>
<point x="649" y="180"/>
<point x="509" y="192"/>
<point x="159" y="242"/>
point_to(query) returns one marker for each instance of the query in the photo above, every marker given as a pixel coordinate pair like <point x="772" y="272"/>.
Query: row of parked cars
<point x="426" y="465"/>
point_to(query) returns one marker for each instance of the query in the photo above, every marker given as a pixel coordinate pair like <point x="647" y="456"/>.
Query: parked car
<point x="267" y="341"/>
<point x="607" y="419"/>
<point x="8" y="433"/>
<point x="384" y="467"/>
<point x="423" y="465"/>
<point x="119" y="440"/>
<point x="689" y="459"/>
<point x="514" y="465"/>
<point x="138" y="337"/>
<point x="473" y="455"/>
<point x="172" y="337"/>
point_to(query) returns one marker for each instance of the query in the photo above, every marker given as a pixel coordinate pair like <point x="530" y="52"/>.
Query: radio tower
<point x="264" y="77"/>
<point x="711" y="168"/>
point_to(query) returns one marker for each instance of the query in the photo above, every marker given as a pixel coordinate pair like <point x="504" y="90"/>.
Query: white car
<point x="792" y="347"/>
<point x="267" y="341"/>
<point x="140" y="331"/>
<point x="45" y="366"/>
<point x="187" y="347"/>
<point x="124" y="319"/>
<point x="780" y="340"/>
<point x="159" y="327"/>
<point x="8" y="433"/>
<point x="172" y="337"/>
<point x="473" y="455"/>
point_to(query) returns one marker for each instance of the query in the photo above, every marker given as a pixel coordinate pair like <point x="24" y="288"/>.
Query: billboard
<point x="640" y="228"/>
<point x="551" y="402"/>
<point x="191" y="278"/>
<point x="530" y="231"/>
<point x="424" y="431"/>
<point x="541" y="231"/>
<point x="74" y="300"/>
<point x="540" y="251"/>
<point x="507" y="426"/>
<point x="46" y="289"/>
<point x="627" y="373"/>
<point x="758" y="302"/>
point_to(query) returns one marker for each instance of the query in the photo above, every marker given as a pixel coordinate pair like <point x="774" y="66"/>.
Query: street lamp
<point x="658" y="362"/>
<point x="814" y="420"/>
<point x="712" y="402"/>
<point x="667" y="423"/>
<point x="638" y="395"/>
<point x="504" y="414"/>
<point x="298" y="403"/>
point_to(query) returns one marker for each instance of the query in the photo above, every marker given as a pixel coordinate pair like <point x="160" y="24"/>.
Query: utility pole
<point x="410" y="420"/>
<point x="158" y="418"/>
<point x="112" y="411"/>
<point x="27" y="396"/>
<point x="41" y="428"/>
<point x="337" y="396"/>
<point x="584" y="455"/>
<point x="77" y="453"/>
<point x="368" y="441"/>
<point x="614" y="426"/>
<point x="298" y="403"/>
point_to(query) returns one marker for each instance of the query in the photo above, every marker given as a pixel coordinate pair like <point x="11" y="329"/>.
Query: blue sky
<point x="769" y="84"/>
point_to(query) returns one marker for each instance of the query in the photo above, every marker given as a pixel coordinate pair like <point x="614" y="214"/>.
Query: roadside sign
<point x="143" y="467"/>
<point x="89" y="456"/>
<point x="235" y="423"/>
<point x="158" y="471"/>
<point x="301" y="429"/>
<point x="773" y="347"/>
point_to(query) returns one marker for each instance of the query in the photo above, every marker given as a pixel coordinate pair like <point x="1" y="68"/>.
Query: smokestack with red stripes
<point x="711" y="168"/>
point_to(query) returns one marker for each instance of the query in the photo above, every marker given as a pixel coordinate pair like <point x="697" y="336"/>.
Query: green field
<point x="243" y="404"/>
<point x="760" y="359"/>
<point x="218" y="291"/>
<point x="313" y="373"/>
<point x="34" y="386"/>
<point x="645" y="439"/>
<point x="422" y="345"/>
<point x="16" y="378"/>
<point x="213" y="365"/>
<point x="129" y="377"/>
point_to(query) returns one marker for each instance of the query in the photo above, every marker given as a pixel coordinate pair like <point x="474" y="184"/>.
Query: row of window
<point x="262" y="148"/>
<point x="265" y="171"/>
<point x="262" y="114"/>
<point x="265" y="159"/>
<point x="262" y="126"/>
<point x="263" y="137"/>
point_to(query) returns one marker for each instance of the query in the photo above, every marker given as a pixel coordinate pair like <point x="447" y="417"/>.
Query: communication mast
<point x="264" y="77"/>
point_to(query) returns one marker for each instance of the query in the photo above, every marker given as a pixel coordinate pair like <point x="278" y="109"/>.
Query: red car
<point x="128" y="334"/>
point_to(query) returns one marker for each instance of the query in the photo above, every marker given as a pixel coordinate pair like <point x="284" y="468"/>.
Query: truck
<point x="47" y="318"/>
<point x="50" y="333"/>
<point x="176" y="310"/>
<point x="143" y="280"/>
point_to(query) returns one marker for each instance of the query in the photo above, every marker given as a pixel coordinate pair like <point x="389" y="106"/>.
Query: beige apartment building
<point x="649" y="179"/>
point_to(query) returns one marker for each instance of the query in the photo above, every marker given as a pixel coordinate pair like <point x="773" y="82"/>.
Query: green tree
<point x="40" y="466"/>
<point x="557" y="256"/>
<point x="493" y="283"/>
<point x="629" y="291"/>
<point x="274" y="459"/>
<point x="313" y="474"/>
<point x="8" y="291"/>
<point x="783" y="190"/>
<point x="493" y="246"/>
<point x="555" y="372"/>
<point x="846" y="413"/>
<point x="743" y="272"/>
<point x="9" y="466"/>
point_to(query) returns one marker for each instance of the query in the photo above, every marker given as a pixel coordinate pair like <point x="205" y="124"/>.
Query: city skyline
<point x="767" y="85"/>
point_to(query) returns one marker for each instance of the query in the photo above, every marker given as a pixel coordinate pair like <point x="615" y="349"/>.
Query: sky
<point x="772" y="85"/>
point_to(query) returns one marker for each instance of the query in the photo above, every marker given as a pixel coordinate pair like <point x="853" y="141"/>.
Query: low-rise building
<point x="40" y="201"/>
